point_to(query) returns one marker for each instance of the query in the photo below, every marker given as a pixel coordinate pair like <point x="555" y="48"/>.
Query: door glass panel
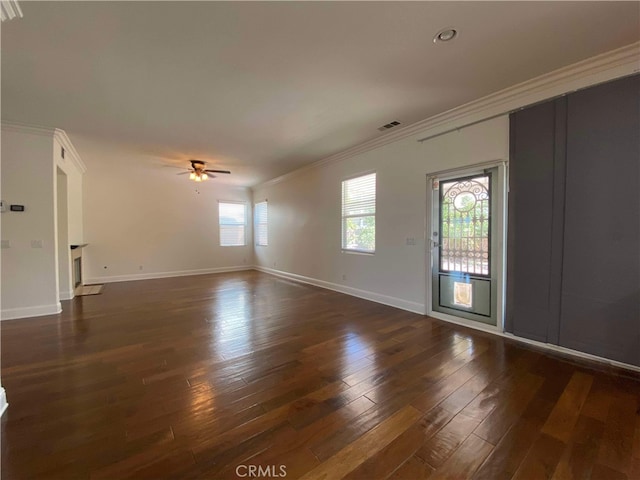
<point x="465" y="225"/>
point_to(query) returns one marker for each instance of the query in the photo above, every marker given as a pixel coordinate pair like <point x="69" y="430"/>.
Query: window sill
<point x="358" y="252"/>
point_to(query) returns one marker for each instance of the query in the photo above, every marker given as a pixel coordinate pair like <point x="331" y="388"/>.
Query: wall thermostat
<point x="17" y="208"/>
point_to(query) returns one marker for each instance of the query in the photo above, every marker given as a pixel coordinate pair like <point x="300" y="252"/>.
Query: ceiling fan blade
<point x="218" y="171"/>
<point x="172" y="166"/>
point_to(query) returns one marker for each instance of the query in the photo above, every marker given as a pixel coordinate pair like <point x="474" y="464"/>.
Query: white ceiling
<point x="264" y="88"/>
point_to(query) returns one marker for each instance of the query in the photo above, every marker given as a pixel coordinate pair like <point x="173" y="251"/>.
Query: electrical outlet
<point x="140" y="267"/>
<point x="411" y="241"/>
<point x="36" y="243"/>
<point x="344" y="277"/>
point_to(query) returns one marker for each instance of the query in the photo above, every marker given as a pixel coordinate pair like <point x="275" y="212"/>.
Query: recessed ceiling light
<point x="445" y="35"/>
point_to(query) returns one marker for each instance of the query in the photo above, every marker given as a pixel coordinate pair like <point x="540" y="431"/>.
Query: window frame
<point x="257" y="223"/>
<point x="358" y="251"/>
<point x="244" y="225"/>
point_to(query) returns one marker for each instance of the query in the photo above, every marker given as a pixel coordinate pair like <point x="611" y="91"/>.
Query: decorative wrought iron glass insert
<point x="465" y="225"/>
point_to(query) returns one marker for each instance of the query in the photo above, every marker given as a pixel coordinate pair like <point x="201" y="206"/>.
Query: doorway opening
<point x="466" y="231"/>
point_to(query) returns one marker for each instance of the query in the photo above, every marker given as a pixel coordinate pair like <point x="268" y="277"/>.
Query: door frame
<point x="501" y="198"/>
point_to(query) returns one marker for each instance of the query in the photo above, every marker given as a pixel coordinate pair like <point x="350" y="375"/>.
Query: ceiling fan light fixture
<point x="199" y="173"/>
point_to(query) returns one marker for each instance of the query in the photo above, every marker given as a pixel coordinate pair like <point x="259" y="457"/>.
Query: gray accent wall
<point x="573" y="252"/>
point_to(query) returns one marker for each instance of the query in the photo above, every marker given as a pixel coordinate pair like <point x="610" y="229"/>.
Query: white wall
<point x="305" y="222"/>
<point x="31" y="278"/>
<point x="29" y="275"/>
<point x="69" y="165"/>
<point x="141" y="220"/>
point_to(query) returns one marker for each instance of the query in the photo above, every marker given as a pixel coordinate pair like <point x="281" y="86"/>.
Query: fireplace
<point x="77" y="272"/>
<point x="76" y="266"/>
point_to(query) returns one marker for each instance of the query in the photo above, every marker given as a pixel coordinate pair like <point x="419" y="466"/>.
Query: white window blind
<point x="262" y="232"/>
<point x="233" y="221"/>
<point x="359" y="214"/>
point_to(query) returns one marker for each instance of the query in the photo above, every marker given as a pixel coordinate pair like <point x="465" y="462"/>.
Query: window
<point x="262" y="234"/>
<point x="233" y="219"/>
<point x="359" y="214"/>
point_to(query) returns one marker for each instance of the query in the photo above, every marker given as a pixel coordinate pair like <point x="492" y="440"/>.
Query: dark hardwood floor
<point x="225" y="376"/>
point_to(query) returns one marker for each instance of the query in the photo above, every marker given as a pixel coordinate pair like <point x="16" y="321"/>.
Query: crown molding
<point x="608" y="66"/>
<point x="9" y="9"/>
<point x="18" y="127"/>
<point x="62" y="137"/>
<point x="51" y="132"/>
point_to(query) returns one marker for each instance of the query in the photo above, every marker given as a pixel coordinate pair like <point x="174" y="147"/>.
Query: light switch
<point x="5" y="244"/>
<point x="36" y="243"/>
<point x="411" y="241"/>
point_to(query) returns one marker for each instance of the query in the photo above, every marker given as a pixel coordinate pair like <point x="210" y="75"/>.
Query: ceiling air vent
<point x="389" y="125"/>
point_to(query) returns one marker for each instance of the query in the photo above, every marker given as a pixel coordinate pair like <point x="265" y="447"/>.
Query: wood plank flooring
<point x="246" y="375"/>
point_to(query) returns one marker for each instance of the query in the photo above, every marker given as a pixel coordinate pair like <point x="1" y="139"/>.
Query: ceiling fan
<point x="199" y="173"/>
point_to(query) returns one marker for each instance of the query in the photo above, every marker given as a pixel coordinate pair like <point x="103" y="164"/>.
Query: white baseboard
<point x="38" y="311"/>
<point x="151" y="276"/>
<point x="367" y="295"/>
<point x="66" y="295"/>
<point x="3" y="401"/>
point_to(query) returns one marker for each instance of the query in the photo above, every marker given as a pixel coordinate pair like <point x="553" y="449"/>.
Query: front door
<point x="463" y="246"/>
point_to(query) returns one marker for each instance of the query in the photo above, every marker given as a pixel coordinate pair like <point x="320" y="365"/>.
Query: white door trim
<point x="502" y="189"/>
